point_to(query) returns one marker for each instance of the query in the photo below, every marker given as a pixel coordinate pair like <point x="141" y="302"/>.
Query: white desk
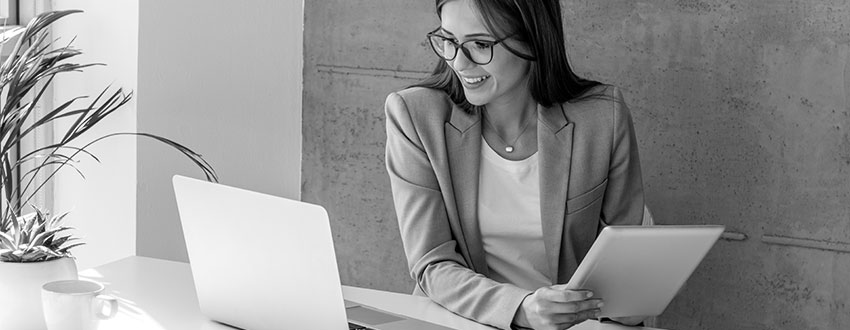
<point x="157" y="294"/>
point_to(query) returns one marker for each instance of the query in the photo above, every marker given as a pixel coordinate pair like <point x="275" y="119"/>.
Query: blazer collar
<point x="461" y="120"/>
<point x="552" y="117"/>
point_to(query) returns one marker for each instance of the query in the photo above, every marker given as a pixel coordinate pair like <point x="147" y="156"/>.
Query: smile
<point x="475" y="80"/>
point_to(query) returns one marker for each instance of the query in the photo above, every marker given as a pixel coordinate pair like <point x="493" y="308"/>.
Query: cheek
<point x="509" y="73"/>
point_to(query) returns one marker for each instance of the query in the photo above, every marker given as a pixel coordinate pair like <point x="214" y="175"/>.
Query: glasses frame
<point x="460" y="46"/>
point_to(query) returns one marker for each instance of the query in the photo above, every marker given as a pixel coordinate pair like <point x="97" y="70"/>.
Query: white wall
<point x="103" y="205"/>
<point x="225" y="79"/>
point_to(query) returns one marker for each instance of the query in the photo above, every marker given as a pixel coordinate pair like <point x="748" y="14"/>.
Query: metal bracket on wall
<point x="733" y="236"/>
<point x="808" y="243"/>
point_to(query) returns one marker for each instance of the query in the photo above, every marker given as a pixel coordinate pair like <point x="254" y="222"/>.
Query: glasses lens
<point x="481" y="52"/>
<point x="443" y="47"/>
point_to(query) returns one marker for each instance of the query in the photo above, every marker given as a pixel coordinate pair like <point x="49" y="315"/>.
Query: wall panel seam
<point x="371" y="72"/>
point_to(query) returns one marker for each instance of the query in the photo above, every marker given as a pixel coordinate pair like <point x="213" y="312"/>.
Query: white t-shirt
<point x="509" y="219"/>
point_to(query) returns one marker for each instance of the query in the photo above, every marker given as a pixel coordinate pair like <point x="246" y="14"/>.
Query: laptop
<point x="638" y="270"/>
<point x="262" y="262"/>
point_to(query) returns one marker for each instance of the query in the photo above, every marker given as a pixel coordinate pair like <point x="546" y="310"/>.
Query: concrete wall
<point x="742" y="116"/>
<point x="223" y="78"/>
<point x="103" y="205"/>
<point x="355" y="53"/>
<point x="743" y="119"/>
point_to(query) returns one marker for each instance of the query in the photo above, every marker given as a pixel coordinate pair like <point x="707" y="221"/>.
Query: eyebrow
<point x="469" y="35"/>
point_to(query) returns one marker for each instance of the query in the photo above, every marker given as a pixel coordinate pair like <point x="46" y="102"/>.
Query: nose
<point x="461" y="62"/>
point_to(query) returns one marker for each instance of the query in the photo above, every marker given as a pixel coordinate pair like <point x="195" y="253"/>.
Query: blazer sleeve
<point x="433" y="259"/>
<point x="623" y="202"/>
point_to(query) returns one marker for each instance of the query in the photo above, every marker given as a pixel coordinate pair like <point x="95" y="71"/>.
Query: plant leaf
<point x="57" y="242"/>
<point x="38" y="240"/>
<point x="58" y="219"/>
<point x="65" y="249"/>
<point x="7" y="241"/>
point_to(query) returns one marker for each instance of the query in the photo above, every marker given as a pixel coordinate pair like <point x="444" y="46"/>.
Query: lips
<point x="474" y="81"/>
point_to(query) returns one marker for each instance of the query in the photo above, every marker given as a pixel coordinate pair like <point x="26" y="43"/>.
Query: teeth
<point x="475" y="80"/>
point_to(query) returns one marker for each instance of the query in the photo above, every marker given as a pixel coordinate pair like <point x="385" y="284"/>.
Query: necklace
<point x="509" y="148"/>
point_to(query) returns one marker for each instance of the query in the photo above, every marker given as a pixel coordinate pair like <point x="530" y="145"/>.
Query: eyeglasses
<point x="478" y="51"/>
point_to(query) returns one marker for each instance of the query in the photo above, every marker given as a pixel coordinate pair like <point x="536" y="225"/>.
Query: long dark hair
<point x="538" y="25"/>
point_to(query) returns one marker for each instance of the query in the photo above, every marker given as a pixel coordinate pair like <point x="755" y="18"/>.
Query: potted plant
<point x="35" y="247"/>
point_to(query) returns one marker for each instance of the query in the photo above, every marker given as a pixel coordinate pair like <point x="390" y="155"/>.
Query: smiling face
<point x="504" y="78"/>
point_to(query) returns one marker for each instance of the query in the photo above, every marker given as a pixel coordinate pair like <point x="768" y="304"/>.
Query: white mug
<point x="75" y="305"/>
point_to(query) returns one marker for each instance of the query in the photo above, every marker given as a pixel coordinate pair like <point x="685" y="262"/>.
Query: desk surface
<point x="157" y="294"/>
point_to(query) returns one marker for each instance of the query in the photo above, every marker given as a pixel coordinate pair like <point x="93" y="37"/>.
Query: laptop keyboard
<point x="352" y="326"/>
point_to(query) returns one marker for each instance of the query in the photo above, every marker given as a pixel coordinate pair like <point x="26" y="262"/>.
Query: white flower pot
<point x="20" y="290"/>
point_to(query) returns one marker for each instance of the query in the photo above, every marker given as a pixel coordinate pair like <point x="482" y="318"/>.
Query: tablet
<point x="637" y="270"/>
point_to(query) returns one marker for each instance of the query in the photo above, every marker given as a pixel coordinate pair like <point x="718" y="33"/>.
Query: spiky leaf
<point x="26" y="76"/>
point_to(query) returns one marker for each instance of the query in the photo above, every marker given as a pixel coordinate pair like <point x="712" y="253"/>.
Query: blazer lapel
<point x="555" y="143"/>
<point x="463" y="142"/>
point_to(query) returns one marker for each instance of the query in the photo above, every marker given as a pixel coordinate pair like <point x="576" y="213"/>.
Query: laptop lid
<point x="259" y="261"/>
<point x="637" y="270"/>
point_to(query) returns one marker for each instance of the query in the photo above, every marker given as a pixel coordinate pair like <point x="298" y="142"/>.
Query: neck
<point x="509" y="114"/>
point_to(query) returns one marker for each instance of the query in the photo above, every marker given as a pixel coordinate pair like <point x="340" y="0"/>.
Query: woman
<point x="505" y="166"/>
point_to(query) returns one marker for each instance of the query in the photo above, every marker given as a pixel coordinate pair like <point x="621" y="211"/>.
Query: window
<point x="9" y="12"/>
<point x="12" y="15"/>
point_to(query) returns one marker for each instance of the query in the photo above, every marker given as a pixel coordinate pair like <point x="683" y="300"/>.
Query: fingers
<point x="580" y="306"/>
<point x="556" y="294"/>
<point x="555" y="306"/>
<point x="570" y="307"/>
<point x="588" y="314"/>
<point x="574" y="318"/>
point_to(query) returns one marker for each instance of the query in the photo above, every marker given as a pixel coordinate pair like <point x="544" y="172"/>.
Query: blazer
<point x="589" y="178"/>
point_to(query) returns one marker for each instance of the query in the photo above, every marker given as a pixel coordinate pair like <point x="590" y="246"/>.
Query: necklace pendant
<point x="509" y="149"/>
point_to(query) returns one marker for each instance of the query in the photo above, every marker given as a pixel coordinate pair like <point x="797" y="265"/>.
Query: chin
<point x="478" y="98"/>
<point x="476" y="102"/>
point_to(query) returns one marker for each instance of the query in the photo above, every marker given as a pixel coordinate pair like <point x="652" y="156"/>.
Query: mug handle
<point x="113" y="306"/>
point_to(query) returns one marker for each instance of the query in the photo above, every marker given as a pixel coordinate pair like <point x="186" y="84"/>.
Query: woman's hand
<point x="556" y="308"/>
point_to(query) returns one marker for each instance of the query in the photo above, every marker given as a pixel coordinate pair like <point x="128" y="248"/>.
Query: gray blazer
<point x="589" y="178"/>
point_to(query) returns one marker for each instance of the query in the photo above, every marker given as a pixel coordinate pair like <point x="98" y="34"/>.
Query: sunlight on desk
<point x="129" y="315"/>
<point x="152" y="294"/>
<point x="157" y="294"/>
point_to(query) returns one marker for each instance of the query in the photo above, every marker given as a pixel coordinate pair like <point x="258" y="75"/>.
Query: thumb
<point x="566" y="286"/>
<point x="560" y="287"/>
